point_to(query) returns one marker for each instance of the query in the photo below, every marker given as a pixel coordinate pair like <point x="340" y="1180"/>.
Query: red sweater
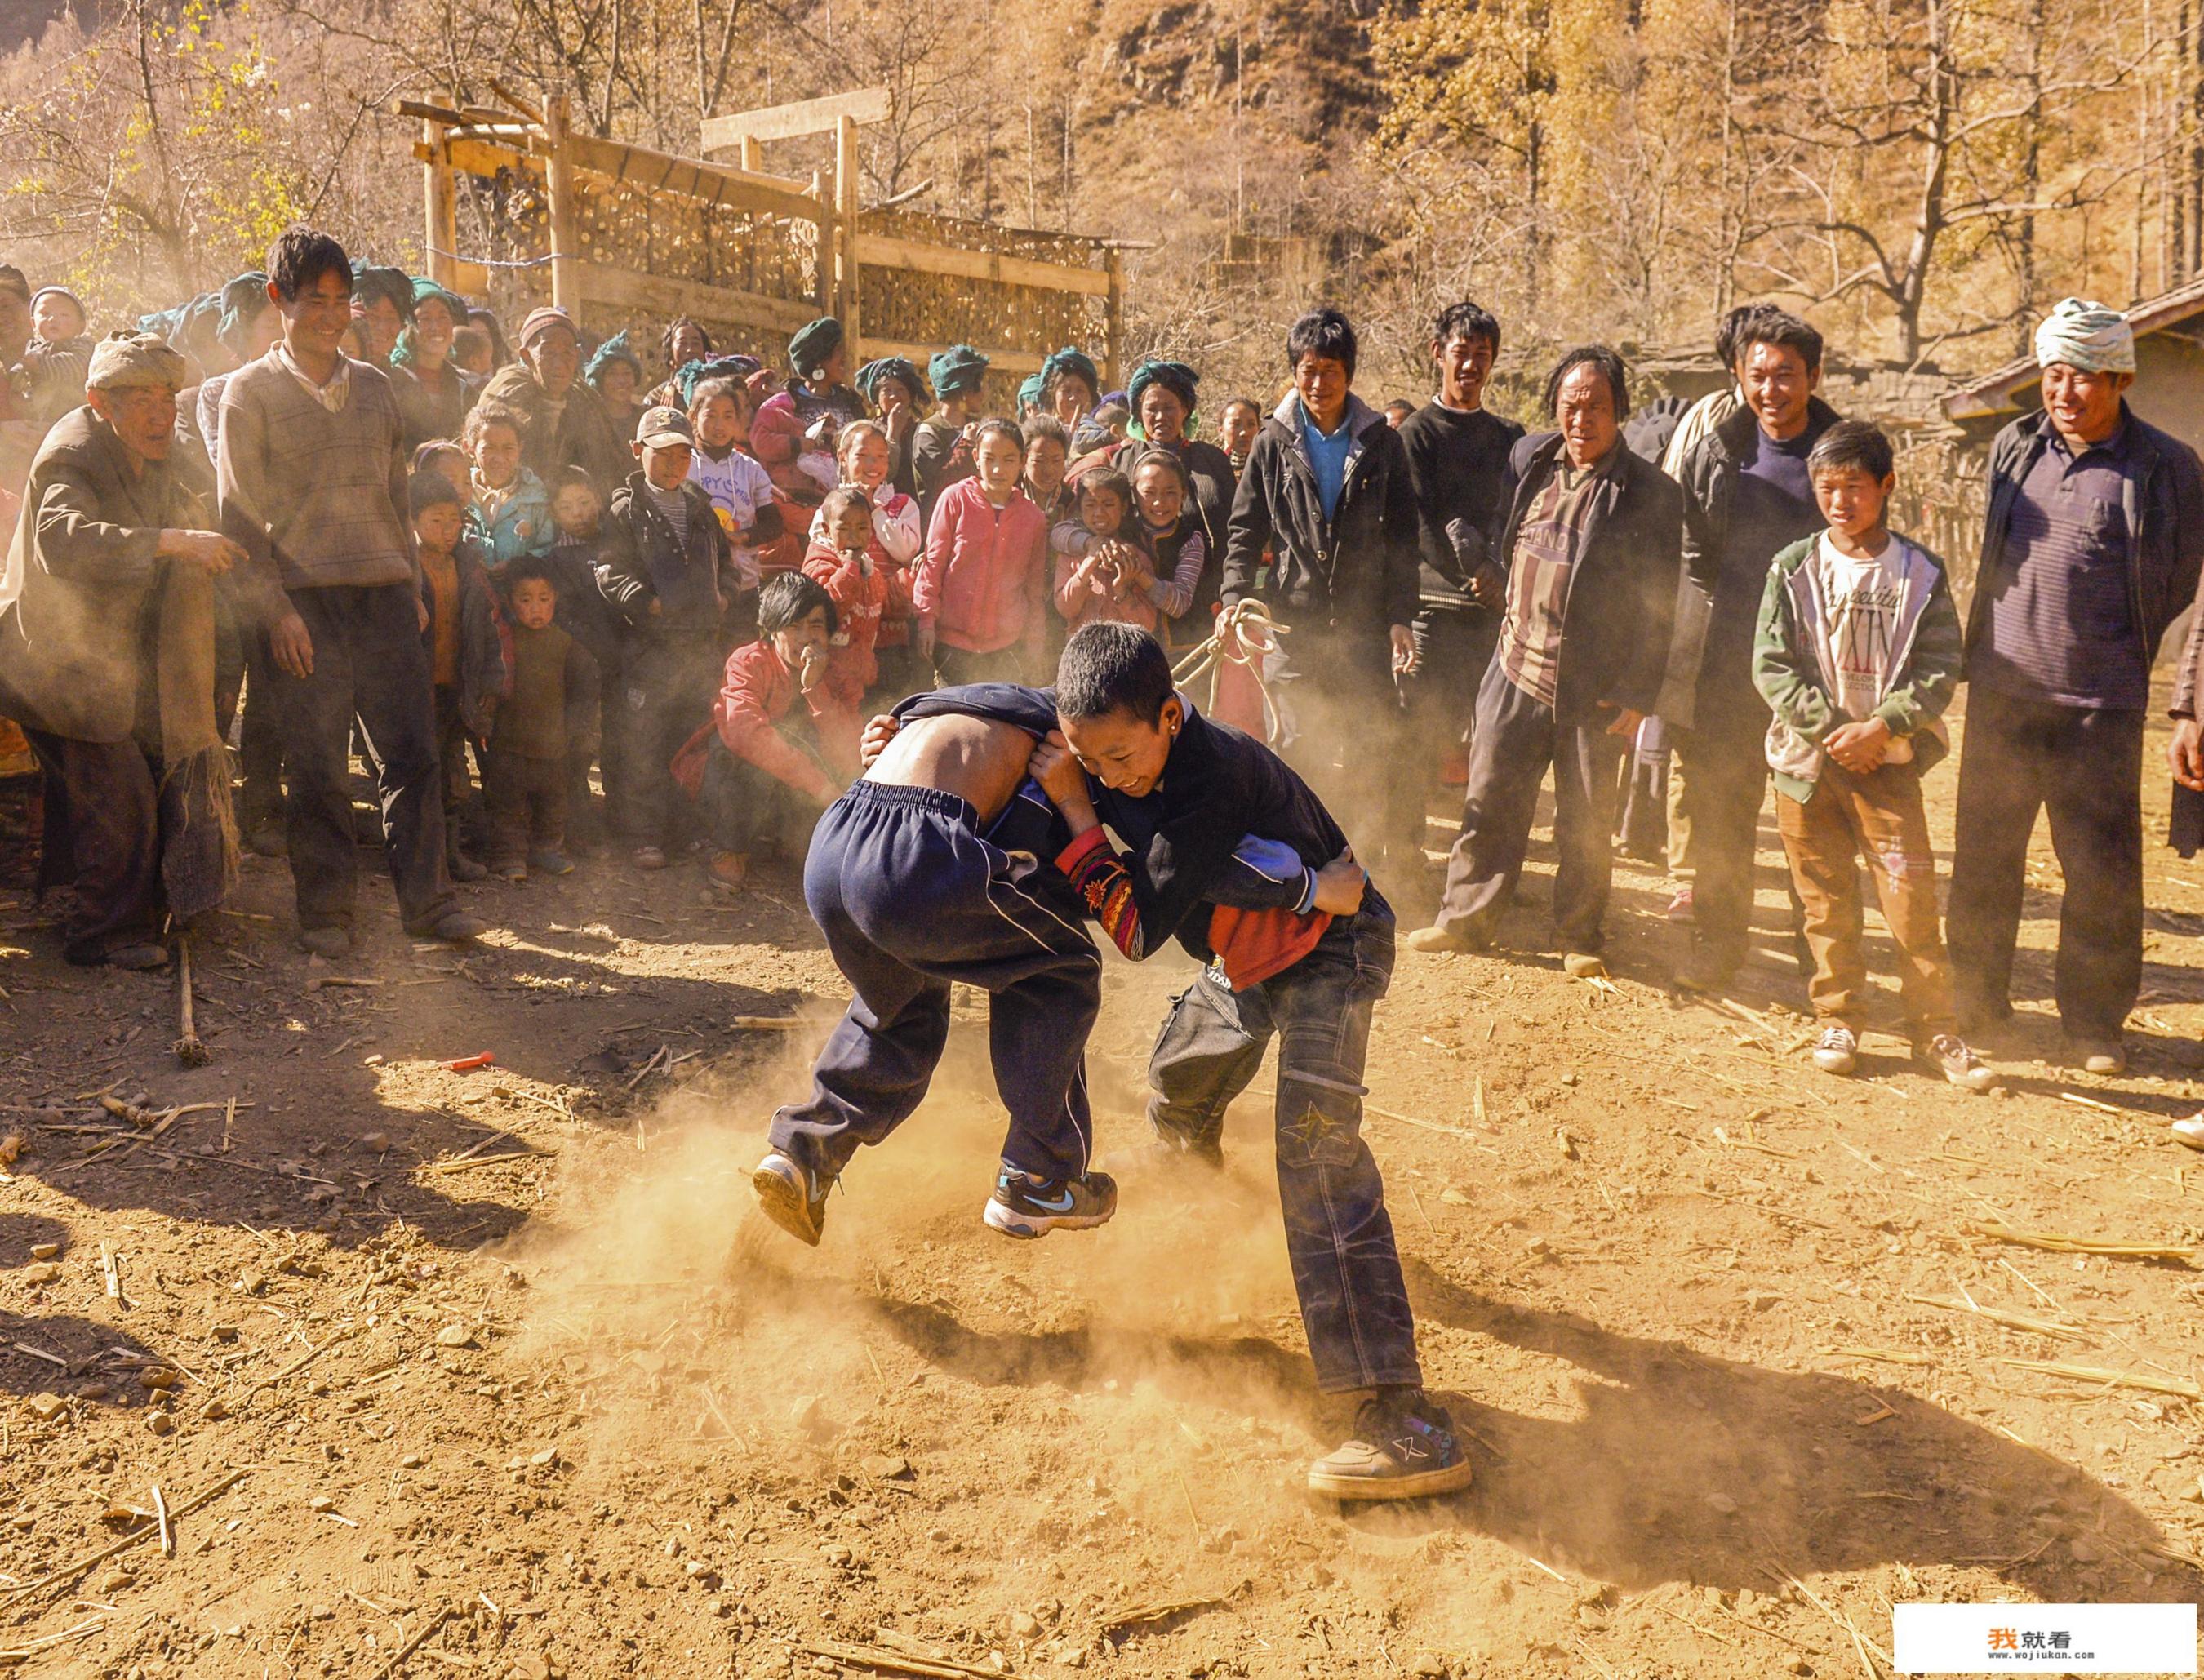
<point x="860" y="601"/>
<point x="984" y="576"/>
<point x="757" y="692"/>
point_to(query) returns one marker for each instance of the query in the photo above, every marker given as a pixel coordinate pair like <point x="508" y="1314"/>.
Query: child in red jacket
<point x="978" y="599"/>
<point x="864" y="587"/>
<point x="763" y="768"/>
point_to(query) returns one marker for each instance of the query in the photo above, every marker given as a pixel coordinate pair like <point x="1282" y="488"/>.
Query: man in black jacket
<point x="2091" y="547"/>
<point x="1747" y="496"/>
<point x="1326" y="491"/>
<point x="1458" y="467"/>
<point x="1590" y="545"/>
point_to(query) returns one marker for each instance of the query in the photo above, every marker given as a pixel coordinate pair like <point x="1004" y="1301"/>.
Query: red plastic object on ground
<point x="468" y="1064"/>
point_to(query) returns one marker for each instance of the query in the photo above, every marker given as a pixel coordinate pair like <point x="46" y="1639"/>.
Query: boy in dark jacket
<point x="465" y="641"/>
<point x="1326" y="490"/>
<point x="550" y="715"/>
<point x="1858" y="654"/>
<point x="668" y="573"/>
<point x="577" y="548"/>
<point x="1590" y="546"/>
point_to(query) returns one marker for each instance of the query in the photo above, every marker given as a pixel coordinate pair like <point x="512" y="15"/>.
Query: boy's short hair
<point x="1000" y="427"/>
<point x="1401" y="405"/>
<point x="529" y="568"/>
<point x="789" y="597"/>
<point x="1111" y="479"/>
<point x="574" y="479"/>
<point x="1466" y="320"/>
<point x="840" y="500"/>
<point x="1108" y="667"/>
<point x="485" y="415"/>
<point x="300" y="256"/>
<point x="1606" y="362"/>
<point x="1849" y="445"/>
<point x="1248" y="402"/>
<point x="1047" y="426"/>
<point x="1322" y="332"/>
<point x="707" y="388"/>
<point x="1783" y="330"/>
<point x="434" y="446"/>
<point x="470" y="341"/>
<point x="428" y="488"/>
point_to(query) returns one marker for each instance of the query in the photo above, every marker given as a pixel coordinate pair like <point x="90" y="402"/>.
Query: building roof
<point x="1995" y="392"/>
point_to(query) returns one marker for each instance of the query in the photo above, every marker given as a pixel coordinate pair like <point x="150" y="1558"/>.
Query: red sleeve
<point x="775" y="434"/>
<point x="843" y="582"/>
<point x="756" y="694"/>
<point x="933" y="564"/>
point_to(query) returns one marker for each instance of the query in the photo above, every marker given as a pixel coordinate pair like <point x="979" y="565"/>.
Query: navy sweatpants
<point x="912" y="898"/>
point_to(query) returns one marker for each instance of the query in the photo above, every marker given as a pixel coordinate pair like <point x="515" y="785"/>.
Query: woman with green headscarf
<point x="434" y="393"/>
<point x="1071" y="386"/>
<point x="615" y="371"/>
<point x="894" y="387"/>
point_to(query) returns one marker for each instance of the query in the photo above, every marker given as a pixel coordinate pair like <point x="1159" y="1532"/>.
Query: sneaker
<point x="266" y="840"/>
<point x="515" y="871"/>
<point x="455" y="927"/>
<point x="727" y="870"/>
<point x="792" y="1196"/>
<point x="550" y="862"/>
<point x="1584" y="965"/>
<point x="2189" y="1131"/>
<point x="649" y="858"/>
<point x="1679" y="907"/>
<point x="1028" y="1206"/>
<point x="1403" y="1449"/>
<point x="2108" y="1056"/>
<point x="328" y="943"/>
<point x="1951" y="1058"/>
<point x="136" y="959"/>
<point x="461" y="867"/>
<point x="1837" y="1051"/>
<point x="1437" y="940"/>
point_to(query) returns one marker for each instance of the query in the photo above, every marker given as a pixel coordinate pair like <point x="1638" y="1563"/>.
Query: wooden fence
<point x="524" y="211"/>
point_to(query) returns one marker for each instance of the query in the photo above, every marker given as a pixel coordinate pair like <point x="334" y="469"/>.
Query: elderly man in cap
<point x="107" y="647"/>
<point x="2090" y="548"/>
<point x="563" y="419"/>
<point x="312" y="479"/>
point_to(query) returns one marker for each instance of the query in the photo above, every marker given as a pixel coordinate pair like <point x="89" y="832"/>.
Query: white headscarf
<point x="2094" y="338"/>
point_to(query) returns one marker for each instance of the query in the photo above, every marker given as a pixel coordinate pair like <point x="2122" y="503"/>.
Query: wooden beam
<point x="480" y="158"/>
<point x="885" y="252"/>
<point x="1113" y="328"/>
<point x="439" y="228"/>
<point x="999" y="361"/>
<point x="714" y="183"/>
<point x="665" y="294"/>
<point x="847" y="210"/>
<point x="428" y="113"/>
<point x="566" y="241"/>
<point x="792" y="121"/>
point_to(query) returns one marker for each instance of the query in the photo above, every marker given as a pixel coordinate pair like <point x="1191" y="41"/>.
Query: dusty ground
<point x="566" y="1408"/>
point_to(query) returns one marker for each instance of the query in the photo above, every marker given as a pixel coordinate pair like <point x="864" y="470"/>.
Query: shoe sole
<point x="783" y="1204"/>
<point x="1842" y="1068"/>
<point x="1026" y="1227"/>
<point x="1370" y="1490"/>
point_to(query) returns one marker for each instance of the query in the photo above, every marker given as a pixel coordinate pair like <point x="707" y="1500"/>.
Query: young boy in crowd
<point x="578" y="548"/>
<point x="667" y="573"/>
<point x="763" y="768"/>
<point x="442" y="456"/>
<point x="1048" y="453"/>
<point x="1102" y="569"/>
<point x="1858" y="652"/>
<point x="741" y="490"/>
<point x="862" y="459"/>
<point x="978" y="597"/>
<point x="467" y="653"/>
<point x="864" y="587"/>
<point x="549" y="715"/>
<point x="512" y="510"/>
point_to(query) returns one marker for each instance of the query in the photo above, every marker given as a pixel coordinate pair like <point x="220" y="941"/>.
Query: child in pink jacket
<point x="979" y="595"/>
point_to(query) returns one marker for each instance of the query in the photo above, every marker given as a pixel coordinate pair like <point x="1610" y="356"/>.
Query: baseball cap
<point x="662" y="426"/>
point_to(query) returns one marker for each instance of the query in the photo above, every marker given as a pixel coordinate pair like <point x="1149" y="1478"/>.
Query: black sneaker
<point x="1403" y="1449"/>
<point x="1025" y="1207"/>
<point x="792" y="1197"/>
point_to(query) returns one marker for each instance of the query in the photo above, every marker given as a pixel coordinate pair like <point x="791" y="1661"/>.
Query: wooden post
<point x="441" y="206"/>
<point x="829" y="289"/>
<point x="752" y="155"/>
<point x="847" y="214"/>
<point x="565" y="246"/>
<point x="1113" y="331"/>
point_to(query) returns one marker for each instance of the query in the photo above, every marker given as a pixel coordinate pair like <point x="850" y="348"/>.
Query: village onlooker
<point x="978" y="596"/>
<point x="683" y="341"/>
<point x="846" y="559"/>
<point x="741" y="489"/>
<point x="56" y="357"/>
<point x="1103" y="570"/>
<point x="474" y="353"/>
<point x="1326" y="493"/>
<point x="1237" y="424"/>
<point x="1070" y="386"/>
<point x="668" y="571"/>
<point x="1457" y="453"/>
<point x="897" y="392"/>
<point x="2091" y="547"/>
<point x="547" y="719"/>
<point x="466" y="656"/>
<point x="14" y="315"/>
<point x="814" y="406"/>
<point x="110" y="532"/>
<point x="1747" y="496"/>
<point x="248" y="327"/>
<point x="1397" y="411"/>
<point x="577" y="509"/>
<point x="941" y="449"/>
<point x="1164" y="401"/>
<point x="313" y="482"/>
<point x="563" y="423"/>
<point x="1591" y="541"/>
<point x="1048" y="452"/>
<point x="1029" y="403"/>
<point x="614" y="372"/>
<point x="1184" y="584"/>
<point x="510" y="508"/>
<point x="1858" y="655"/>
<point x="433" y="392"/>
<point x="382" y="309"/>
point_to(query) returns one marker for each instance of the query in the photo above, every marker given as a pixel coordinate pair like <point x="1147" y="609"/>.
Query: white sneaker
<point x="2190" y="1131"/>
<point x="1837" y="1051"/>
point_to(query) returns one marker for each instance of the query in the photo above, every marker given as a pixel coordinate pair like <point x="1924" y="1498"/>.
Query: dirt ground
<point x="496" y="1373"/>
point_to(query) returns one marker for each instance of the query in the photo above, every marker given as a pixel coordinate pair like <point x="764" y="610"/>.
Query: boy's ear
<point x="1172" y="718"/>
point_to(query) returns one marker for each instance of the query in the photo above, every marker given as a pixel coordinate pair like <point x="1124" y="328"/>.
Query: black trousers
<point x="103" y="836"/>
<point x="1516" y="738"/>
<point x="371" y="667"/>
<point x="1725" y="770"/>
<point x="2084" y="765"/>
<point x="1438" y="704"/>
<point x="744" y="807"/>
<point x="259" y="739"/>
<point x="665" y="689"/>
<point x="525" y="800"/>
<point x="1340" y="718"/>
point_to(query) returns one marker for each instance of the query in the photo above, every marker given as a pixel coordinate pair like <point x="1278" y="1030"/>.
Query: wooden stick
<point x="2107" y="1379"/>
<point x="462" y="1166"/>
<point x="161" y="1517"/>
<point x="71" y="1571"/>
<point x="189" y="1051"/>
<point x="2040" y="1326"/>
<point x="2058" y="1243"/>
<point x="398" y="1657"/>
<point x="892" y="1662"/>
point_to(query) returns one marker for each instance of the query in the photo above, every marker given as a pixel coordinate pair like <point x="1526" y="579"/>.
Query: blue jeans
<point x="1339" y="1238"/>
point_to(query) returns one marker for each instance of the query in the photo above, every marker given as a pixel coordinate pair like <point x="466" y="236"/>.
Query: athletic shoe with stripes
<point x="1027" y="1206"/>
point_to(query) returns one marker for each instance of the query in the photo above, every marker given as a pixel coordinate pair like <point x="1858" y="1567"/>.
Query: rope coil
<point x="1244" y="633"/>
